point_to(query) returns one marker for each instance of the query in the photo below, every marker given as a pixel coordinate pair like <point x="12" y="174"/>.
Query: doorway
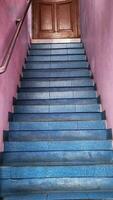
<point x="55" y="19"/>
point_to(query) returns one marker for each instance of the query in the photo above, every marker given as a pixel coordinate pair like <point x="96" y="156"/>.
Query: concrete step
<point x="56" y="95"/>
<point x="55" y="89"/>
<point x="58" y="82"/>
<point x="46" y="117"/>
<point x="51" y="58"/>
<point x="64" y="195"/>
<point x="37" y="172"/>
<point x="58" y="158"/>
<point x="61" y="101"/>
<point x="67" y="135"/>
<point x="54" y="73"/>
<point x="64" y="125"/>
<point x="56" y="108"/>
<point x="58" y="146"/>
<point x="68" y="51"/>
<point x="57" y="64"/>
<point x="57" y="46"/>
<point x="93" y="184"/>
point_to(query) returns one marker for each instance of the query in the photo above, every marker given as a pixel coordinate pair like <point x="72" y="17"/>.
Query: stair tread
<point x="64" y="125"/>
<point x="56" y="64"/>
<point x="58" y="146"/>
<point x="64" y="195"/>
<point x="56" y="108"/>
<point x="59" y="158"/>
<point x="100" y="184"/>
<point x="56" y="172"/>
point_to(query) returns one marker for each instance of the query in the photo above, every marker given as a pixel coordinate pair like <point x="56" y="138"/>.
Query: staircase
<point x="57" y="146"/>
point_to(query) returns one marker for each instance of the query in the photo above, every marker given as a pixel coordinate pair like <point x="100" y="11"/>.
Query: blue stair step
<point x="54" y="73"/>
<point x="67" y="82"/>
<point x="57" y="58"/>
<point x="56" y="184"/>
<point x="56" y="95"/>
<point x="67" y="51"/>
<point x="61" y="101"/>
<point x="58" y="146"/>
<point x="72" y="125"/>
<point x="68" y="135"/>
<point x="37" y="172"/>
<point x="41" y="117"/>
<point x="27" y="197"/>
<point x="56" y="108"/>
<point x="57" y="46"/>
<point x="58" y="158"/>
<point x="55" y="89"/>
<point x="57" y="64"/>
<point x="64" y="195"/>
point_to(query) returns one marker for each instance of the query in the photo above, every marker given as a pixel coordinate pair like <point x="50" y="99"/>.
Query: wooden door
<point x="55" y="19"/>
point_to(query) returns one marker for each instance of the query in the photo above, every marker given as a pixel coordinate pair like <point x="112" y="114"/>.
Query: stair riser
<point x="57" y="135"/>
<point x="56" y="65"/>
<point x="62" y="101"/>
<point x="59" y="158"/>
<point x="56" y="89"/>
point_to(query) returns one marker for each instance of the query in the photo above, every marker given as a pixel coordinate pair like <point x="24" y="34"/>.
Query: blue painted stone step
<point x="27" y="197"/>
<point x="67" y="82"/>
<point x="56" y="108"/>
<point x="57" y="58"/>
<point x="58" y="158"/>
<point x="57" y="46"/>
<point x="56" y="73"/>
<point x="64" y="196"/>
<point x="55" y="89"/>
<point x="58" y="146"/>
<point x="57" y="95"/>
<point x="38" y="117"/>
<point x="67" y="51"/>
<point x="56" y="172"/>
<point x="61" y="101"/>
<point x="68" y="135"/>
<point x="57" y="64"/>
<point x="56" y="184"/>
<point x="72" y="125"/>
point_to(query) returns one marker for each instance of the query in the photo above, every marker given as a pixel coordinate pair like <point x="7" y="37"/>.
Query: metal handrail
<point x="12" y="44"/>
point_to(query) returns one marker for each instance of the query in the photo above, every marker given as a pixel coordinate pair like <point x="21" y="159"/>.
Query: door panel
<point x="46" y="17"/>
<point x="64" y="21"/>
<point x="55" y="19"/>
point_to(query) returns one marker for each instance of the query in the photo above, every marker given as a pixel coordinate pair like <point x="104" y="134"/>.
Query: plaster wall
<point x="97" y="35"/>
<point x="9" y="12"/>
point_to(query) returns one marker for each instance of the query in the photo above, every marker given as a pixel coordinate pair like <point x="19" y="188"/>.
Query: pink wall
<point x="9" y="11"/>
<point x="97" y="35"/>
